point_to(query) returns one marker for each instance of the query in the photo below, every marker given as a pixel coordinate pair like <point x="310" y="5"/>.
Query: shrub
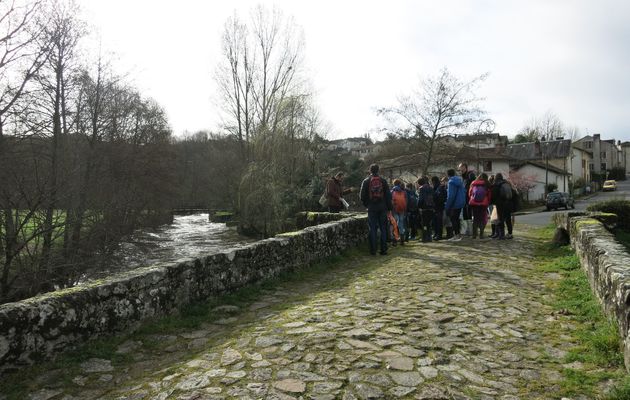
<point x="619" y="207"/>
<point x="617" y="173"/>
<point x="579" y="183"/>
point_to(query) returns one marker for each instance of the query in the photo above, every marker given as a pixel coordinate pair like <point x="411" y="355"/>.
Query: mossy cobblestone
<point x="466" y="320"/>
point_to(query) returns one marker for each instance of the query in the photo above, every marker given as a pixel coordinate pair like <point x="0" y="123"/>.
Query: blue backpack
<point x="478" y="193"/>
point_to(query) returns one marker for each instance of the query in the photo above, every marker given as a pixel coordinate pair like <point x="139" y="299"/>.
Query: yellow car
<point x="610" y="185"/>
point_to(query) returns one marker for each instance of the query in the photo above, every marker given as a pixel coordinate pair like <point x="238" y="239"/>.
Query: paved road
<point x="542" y="218"/>
<point x="465" y="320"/>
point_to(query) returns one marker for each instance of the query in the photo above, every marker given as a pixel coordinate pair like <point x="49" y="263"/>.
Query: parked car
<point x="557" y="200"/>
<point x="609" y="185"/>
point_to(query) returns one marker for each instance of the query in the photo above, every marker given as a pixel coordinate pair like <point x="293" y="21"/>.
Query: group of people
<point x="438" y="208"/>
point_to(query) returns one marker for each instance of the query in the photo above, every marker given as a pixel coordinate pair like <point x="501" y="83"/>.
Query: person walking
<point x="399" y="211"/>
<point x="375" y="196"/>
<point x="468" y="176"/>
<point x="455" y="201"/>
<point x="478" y="199"/>
<point x="426" y="203"/>
<point x="335" y="192"/>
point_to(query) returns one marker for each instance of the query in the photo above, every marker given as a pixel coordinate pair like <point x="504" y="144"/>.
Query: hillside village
<point x="569" y="165"/>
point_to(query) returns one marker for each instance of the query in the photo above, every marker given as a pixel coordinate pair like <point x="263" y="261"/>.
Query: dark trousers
<point x="479" y="215"/>
<point x="427" y="216"/>
<point x="505" y="219"/>
<point x="334" y="209"/>
<point x="453" y="215"/>
<point x="467" y="212"/>
<point x="377" y="221"/>
<point x="437" y="223"/>
<point x="413" y="223"/>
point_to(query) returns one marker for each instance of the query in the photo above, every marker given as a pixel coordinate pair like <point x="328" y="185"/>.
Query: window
<point x="602" y="154"/>
<point x="603" y="166"/>
<point x="487" y="166"/>
<point x="588" y="145"/>
<point x="584" y="164"/>
<point x="591" y="166"/>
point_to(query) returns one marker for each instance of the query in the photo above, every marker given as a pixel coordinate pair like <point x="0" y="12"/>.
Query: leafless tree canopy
<point x="84" y="158"/>
<point x="441" y="105"/>
<point x="546" y="127"/>
<point x="269" y="111"/>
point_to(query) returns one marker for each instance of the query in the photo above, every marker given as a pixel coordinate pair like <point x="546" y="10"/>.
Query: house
<point x="551" y="155"/>
<point x="348" y="144"/>
<point x="483" y="140"/>
<point x="579" y="164"/>
<point x="411" y="166"/>
<point x="365" y="151"/>
<point x="537" y="175"/>
<point x="625" y="155"/>
<point x="605" y="153"/>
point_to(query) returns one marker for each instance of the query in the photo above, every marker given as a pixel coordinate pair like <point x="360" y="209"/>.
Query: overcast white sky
<point x="571" y="57"/>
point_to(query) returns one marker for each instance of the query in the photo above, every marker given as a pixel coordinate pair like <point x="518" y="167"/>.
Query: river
<point x="188" y="236"/>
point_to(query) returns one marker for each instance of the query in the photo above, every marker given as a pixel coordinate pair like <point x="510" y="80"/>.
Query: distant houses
<point x="562" y="163"/>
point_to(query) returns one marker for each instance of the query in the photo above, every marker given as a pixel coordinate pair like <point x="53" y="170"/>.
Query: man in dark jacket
<point x="468" y="177"/>
<point x="376" y="197"/>
<point x="335" y="192"/>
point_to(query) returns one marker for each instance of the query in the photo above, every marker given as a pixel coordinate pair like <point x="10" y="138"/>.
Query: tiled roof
<point x="536" y="150"/>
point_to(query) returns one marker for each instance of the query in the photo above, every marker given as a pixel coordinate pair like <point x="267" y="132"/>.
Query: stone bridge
<point x="464" y="320"/>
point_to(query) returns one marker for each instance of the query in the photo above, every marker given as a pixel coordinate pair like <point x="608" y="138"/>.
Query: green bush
<point x="619" y="207"/>
<point x="551" y="187"/>
<point x="579" y="183"/>
<point x="617" y="173"/>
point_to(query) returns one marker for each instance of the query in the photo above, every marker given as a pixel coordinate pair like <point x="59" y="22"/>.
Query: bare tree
<point x="268" y="109"/>
<point x="63" y="30"/>
<point x="546" y="127"/>
<point x="260" y="69"/>
<point x="440" y="106"/>
<point x="22" y="54"/>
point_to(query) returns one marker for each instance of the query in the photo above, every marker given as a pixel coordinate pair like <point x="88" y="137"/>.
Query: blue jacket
<point x="456" y="193"/>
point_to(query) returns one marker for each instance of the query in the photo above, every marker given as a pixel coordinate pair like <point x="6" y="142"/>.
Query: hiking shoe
<point x="455" y="238"/>
<point x="509" y="236"/>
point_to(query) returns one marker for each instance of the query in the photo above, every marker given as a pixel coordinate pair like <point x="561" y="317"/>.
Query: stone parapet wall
<point x="42" y="326"/>
<point x="309" y="218"/>
<point x="607" y="265"/>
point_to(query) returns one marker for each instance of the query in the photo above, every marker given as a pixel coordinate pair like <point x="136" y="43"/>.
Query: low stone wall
<point x="607" y="265"/>
<point x="309" y="218"/>
<point x="42" y="326"/>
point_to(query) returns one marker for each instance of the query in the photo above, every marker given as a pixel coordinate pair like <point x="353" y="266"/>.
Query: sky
<point x="568" y="57"/>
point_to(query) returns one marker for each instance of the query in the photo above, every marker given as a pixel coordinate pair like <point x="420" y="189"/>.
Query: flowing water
<point x="188" y="236"/>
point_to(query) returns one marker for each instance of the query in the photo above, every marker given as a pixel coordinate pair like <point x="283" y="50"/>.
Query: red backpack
<point x="375" y="189"/>
<point x="399" y="200"/>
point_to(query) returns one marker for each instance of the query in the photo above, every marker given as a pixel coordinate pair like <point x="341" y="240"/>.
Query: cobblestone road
<point x="429" y="321"/>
